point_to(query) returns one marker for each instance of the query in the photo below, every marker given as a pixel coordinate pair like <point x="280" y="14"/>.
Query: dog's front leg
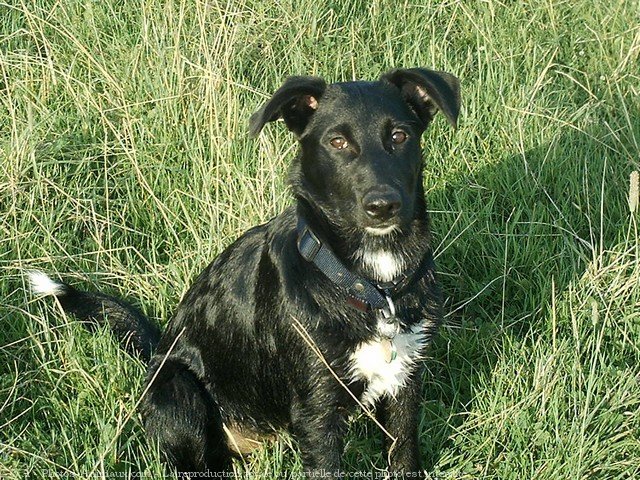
<point x="319" y="427"/>
<point x="399" y="416"/>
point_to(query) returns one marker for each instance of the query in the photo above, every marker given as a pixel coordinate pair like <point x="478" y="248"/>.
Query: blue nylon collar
<point x="363" y="295"/>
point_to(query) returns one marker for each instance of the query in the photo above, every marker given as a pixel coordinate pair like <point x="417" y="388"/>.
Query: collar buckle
<point x="308" y="244"/>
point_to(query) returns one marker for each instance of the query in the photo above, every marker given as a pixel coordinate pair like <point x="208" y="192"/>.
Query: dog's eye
<point x="339" y="142"/>
<point x="398" y="137"/>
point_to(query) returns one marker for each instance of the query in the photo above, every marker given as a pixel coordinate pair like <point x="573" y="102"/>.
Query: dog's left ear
<point x="295" y="101"/>
<point x="428" y="91"/>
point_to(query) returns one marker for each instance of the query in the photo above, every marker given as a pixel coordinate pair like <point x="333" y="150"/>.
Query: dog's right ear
<point x="295" y="101"/>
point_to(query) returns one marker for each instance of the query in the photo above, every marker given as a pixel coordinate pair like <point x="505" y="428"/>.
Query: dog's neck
<point x="378" y="257"/>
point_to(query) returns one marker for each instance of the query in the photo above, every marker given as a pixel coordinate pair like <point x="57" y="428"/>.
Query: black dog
<point x="331" y="301"/>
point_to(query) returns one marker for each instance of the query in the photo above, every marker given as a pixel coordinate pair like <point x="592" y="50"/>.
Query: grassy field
<point x="125" y="165"/>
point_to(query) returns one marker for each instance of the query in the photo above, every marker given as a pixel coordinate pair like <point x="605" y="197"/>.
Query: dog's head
<point x="361" y="161"/>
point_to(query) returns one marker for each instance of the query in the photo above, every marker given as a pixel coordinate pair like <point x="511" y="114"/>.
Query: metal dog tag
<point x="388" y="327"/>
<point x="389" y="351"/>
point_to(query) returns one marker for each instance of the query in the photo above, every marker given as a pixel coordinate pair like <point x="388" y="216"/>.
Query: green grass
<point x="125" y="165"/>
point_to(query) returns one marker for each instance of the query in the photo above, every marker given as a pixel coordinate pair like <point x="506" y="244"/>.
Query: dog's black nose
<point x="382" y="205"/>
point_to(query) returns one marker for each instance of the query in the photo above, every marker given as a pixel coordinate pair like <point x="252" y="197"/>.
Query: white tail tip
<point x="41" y="284"/>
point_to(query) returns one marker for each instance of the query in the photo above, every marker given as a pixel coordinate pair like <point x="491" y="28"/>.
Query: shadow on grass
<point x="525" y="228"/>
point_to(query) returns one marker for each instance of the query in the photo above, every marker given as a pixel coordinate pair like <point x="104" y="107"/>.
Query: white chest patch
<point x="381" y="378"/>
<point x="384" y="266"/>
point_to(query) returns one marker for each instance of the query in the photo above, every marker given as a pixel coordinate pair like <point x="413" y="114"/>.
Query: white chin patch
<point x="383" y="266"/>
<point x="381" y="231"/>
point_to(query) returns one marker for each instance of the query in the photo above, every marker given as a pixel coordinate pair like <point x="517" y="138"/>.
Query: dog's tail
<point x="135" y="331"/>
